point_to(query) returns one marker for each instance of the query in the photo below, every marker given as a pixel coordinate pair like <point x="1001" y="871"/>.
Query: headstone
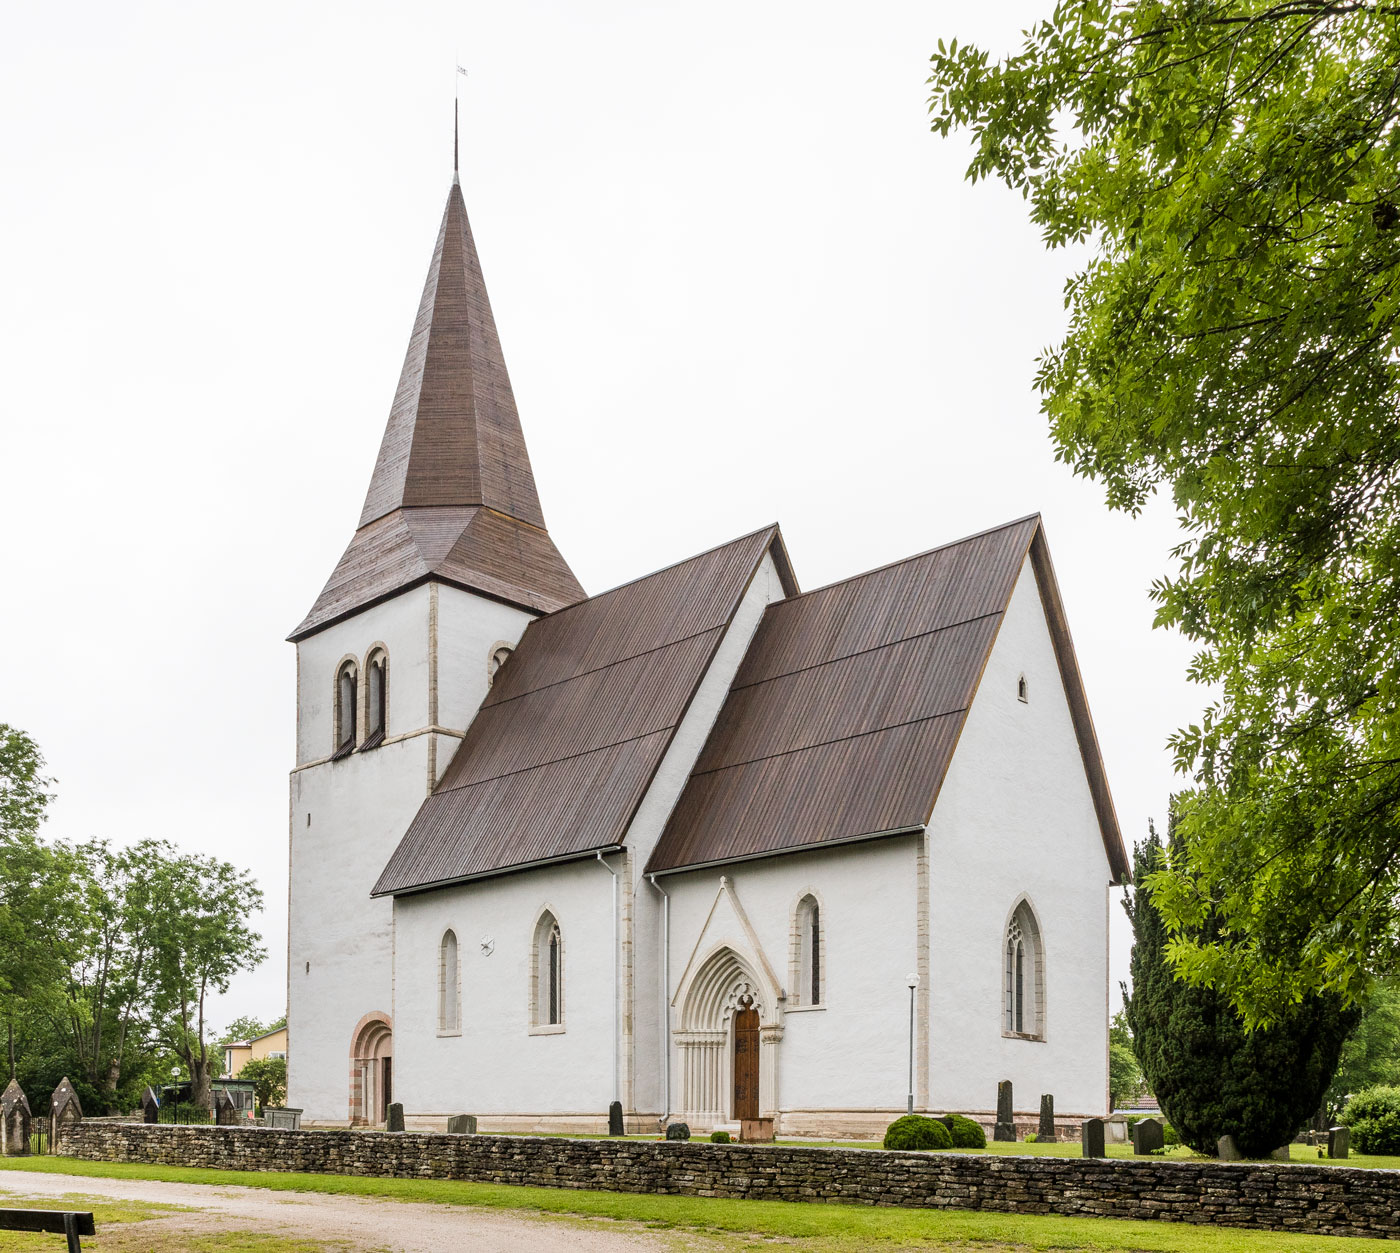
<point x="756" y="1130"/>
<point x="285" y="1118"/>
<point x="16" y="1122"/>
<point x="395" y="1121"/>
<point x="1045" y="1133"/>
<point x="615" y="1119"/>
<point x="1091" y="1138"/>
<point x="65" y="1112"/>
<point x="461" y="1125"/>
<point x="1005" y="1129"/>
<point x="1338" y="1141"/>
<point x="677" y="1131"/>
<point x="1227" y="1152"/>
<point x="1115" y="1129"/>
<point x="1148" y="1137"/>
<point x="150" y="1106"/>
<point x="1282" y="1154"/>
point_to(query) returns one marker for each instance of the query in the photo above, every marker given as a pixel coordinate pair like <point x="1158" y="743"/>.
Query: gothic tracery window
<point x="1023" y="976"/>
<point x="548" y="974"/>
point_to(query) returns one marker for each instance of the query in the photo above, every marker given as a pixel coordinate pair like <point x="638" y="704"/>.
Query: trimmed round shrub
<point x="914" y="1131"/>
<point x="1032" y="1137"/>
<point x="677" y="1131"/>
<point x="966" y="1133"/>
<point x="1373" y="1115"/>
<point x="720" y="1137"/>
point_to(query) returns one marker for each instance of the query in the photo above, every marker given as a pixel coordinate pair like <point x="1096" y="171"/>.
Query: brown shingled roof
<point x="452" y="495"/>
<point x="843" y="718"/>
<point x="569" y="737"/>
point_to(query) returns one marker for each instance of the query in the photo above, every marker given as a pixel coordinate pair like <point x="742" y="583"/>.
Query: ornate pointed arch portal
<point x="714" y="1041"/>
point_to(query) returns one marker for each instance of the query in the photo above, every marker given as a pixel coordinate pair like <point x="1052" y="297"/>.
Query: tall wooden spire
<point x="452" y="496"/>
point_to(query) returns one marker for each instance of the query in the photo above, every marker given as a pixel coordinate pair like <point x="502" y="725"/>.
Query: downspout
<point x="665" y="998"/>
<point x="617" y="970"/>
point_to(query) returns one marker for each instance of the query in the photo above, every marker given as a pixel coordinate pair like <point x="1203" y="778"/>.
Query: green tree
<point x="1212" y="1075"/>
<point x="242" y="1029"/>
<point x="1234" y="167"/>
<point x="1124" y="1076"/>
<point x="194" y="911"/>
<point x="269" y="1078"/>
<point x="1371" y="1056"/>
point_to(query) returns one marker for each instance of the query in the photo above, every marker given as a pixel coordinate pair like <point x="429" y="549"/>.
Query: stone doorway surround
<point x="371" y="1054"/>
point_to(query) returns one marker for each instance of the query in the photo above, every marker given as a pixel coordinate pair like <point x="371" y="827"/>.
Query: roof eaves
<point x="416" y="889"/>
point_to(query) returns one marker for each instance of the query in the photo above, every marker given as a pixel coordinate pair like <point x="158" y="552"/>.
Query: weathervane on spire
<point x="456" y="86"/>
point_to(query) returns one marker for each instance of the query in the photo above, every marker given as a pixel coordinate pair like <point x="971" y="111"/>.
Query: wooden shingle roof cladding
<point x="844" y="715"/>
<point x="452" y="496"/>
<point x="572" y="731"/>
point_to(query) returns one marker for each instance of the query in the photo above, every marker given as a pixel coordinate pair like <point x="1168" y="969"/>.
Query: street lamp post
<point x="913" y="982"/>
<point x="175" y="1077"/>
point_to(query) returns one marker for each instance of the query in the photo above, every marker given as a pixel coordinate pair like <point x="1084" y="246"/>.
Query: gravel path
<point x="360" y="1222"/>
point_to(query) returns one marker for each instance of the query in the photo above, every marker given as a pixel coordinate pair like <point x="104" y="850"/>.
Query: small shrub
<point x="966" y="1133"/>
<point x="914" y="1131"/>
<point x="720" y="1137"/>
<point x="1032" y="1137"/>
<point x="1170" y="1136"/>
<point x="1374" y="1118"/>
<point x="678" y="1131"/>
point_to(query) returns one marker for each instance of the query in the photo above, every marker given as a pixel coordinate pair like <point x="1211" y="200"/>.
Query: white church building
<point x="685" y="845"/>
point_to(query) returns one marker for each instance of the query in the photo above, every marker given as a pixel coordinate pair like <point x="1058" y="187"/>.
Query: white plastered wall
<point x="843" y="1065"/>
<point x="340" y="940"/>
<point x="1015" y="817"/>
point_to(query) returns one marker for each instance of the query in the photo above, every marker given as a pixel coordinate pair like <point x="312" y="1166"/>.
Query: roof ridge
<point x="928" y="552"/>
<point x="641" y="578"/>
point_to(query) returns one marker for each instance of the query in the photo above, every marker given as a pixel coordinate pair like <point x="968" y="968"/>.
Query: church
<point x="704" y="847"/>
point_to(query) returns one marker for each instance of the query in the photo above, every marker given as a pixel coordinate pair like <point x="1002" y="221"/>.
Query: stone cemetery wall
<point x="1324" y="1200"/>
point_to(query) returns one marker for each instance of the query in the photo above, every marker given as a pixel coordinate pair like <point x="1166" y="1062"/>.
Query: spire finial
<point x="456" y="97"/>
<point x="454" y="141"/>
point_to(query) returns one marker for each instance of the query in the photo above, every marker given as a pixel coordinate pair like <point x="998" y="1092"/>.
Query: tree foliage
<point x="1371" y="1056"/>
<point x="1124" y="1074"/>
<point x="1235" y="167"/>
<point x="269" y="1079"/>
<point x="1213" y="1076"/>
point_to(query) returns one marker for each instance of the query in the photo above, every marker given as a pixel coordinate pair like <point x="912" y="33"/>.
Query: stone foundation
<point x="1320" y="1200"/>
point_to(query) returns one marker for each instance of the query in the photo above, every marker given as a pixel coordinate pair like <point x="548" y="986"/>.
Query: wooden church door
<point x="746" y="1060"/>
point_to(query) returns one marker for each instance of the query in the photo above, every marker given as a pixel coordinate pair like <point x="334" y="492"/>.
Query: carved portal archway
<point x="724" y="986"/>
<point x="371" y="1069"/>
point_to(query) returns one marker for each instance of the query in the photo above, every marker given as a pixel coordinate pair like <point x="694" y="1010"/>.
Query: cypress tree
<point x="1212" y="1077"/>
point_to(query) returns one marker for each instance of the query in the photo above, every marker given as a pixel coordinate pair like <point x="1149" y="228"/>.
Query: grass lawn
<point x="818" y="1228"/>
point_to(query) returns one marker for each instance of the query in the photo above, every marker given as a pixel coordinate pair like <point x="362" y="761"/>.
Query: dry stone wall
<point x="1323" y="1200"/>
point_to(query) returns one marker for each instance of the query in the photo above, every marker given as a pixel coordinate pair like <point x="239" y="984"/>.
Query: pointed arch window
<point x="347" y="684"/>
<point x="449" y="985"/>
<point x="1023" y="976"/>
<point x="808" y="948"/>
<point x="547" y="976"/>
<point x="377" y="699"/>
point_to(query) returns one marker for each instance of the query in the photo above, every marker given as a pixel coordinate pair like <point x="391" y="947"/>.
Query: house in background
<point x="241" y="1052"/>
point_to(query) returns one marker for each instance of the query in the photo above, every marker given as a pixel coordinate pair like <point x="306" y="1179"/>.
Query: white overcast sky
<point x="736" y="278"/>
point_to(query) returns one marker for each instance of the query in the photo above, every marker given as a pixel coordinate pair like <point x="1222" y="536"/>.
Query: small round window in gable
<point x="1022" y="691"/>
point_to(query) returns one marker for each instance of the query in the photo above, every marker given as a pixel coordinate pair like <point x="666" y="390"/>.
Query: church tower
<point x="450" y="561"/>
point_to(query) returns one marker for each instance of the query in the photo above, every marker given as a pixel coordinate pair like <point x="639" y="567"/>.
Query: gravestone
<point x="65" y="1112"/>
<point x="461" y="1125"/>
<point x="1338" y="1141"/>
<point x="615" y="1119"/>
<point x="1282" y="1154"/>
<point x="1227" y="1152"/>
<point x="677" y="1131"/>
<point x="16" y="1122"/>
<point x="395" y="1121"/>
<point x="1005" y="1129"/>
<point x="1045" y="1133"/>
<point x="150" y="1106"/>
<point x="284" y="1118"/>
<point x="1147" y="1137"/>
<point x="1091" y="1138"/>
<point x="225" y="1112"/>
<point x="756" y="1130"/>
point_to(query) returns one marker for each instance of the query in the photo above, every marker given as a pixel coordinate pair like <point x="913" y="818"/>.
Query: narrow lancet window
<point x="346" y="708"/>
<point x="377" y="723"/>
<point x="807" y="973"/>
<point x="449" y="985"/>
<point x="547" y="975"/>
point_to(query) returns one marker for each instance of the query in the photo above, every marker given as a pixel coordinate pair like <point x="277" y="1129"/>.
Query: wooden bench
<point x="63" y="1222"/>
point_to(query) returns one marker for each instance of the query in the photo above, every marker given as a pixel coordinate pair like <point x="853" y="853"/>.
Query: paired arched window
<point x="1023" y="975"/>
<point x="347" y="688"/>
<point x="449" y="984"/>
<point x="808" y="972"/>
<point x="548" y="974"/>
<point x="377" y="698"/>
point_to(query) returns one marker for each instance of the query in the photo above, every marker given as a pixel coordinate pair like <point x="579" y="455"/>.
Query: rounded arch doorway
<point x="371" y="1069"/>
